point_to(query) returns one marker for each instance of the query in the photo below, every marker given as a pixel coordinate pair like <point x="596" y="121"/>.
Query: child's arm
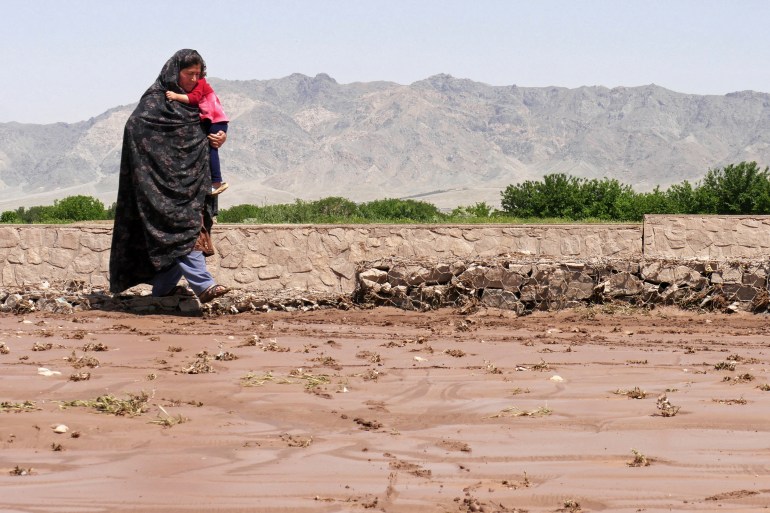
<point x="171" y="95"/>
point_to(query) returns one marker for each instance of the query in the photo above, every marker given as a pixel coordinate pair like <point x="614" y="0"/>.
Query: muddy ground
<point x="591" y="409"/>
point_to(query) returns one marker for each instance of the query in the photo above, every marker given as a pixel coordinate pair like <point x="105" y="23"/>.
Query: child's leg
<point x="216" y="170"/>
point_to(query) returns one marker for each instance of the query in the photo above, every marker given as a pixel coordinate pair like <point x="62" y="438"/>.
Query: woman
<point x="163" y="213"/>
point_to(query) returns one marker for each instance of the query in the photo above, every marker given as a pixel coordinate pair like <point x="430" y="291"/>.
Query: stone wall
<point x="716" y="262"/>
<point x="707" y="237"/>
<point x="313" y="258"/>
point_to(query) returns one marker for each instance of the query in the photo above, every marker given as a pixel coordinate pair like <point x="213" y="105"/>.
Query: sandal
<point x="219" y="190"/>
<point x="212" y="292"/>
<point x="179" y="290"/>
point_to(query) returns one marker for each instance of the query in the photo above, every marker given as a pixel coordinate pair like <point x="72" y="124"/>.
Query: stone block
<point x="503" y="299"/>
<point x="232" y="261"/>
<point x="344" y="269"/>
<point x="270" y="272"/>
<point x="622" y="284"/>
<point x="739" y="292"/>
<point x="9" y="237"/>
<point x="16" y="256"/>
<point x="253" y="259"/>
<point x="96" y="242"/>
<point x="67" y="238"/>
<point x="245" y="276"/>
<point x="580" y="287"/>
<point x="33" y="257"/>
<point x="59" y="257"/>
<point x="299" y="264"/>
<point x="86" y="263"/>
<point x="373" y="276"/>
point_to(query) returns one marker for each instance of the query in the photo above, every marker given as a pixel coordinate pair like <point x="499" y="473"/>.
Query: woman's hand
<point x="218" y="139"/>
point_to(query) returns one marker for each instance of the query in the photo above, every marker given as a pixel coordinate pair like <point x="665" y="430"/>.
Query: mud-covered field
<point x="385" y="410"/>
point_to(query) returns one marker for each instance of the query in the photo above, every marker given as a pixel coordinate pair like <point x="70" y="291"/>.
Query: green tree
<point x="10" y="217"/>
<point x="734" y="189"/>
<point x="79" y="208"/>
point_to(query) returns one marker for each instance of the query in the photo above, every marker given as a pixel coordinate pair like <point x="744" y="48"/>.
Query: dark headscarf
<point x="164" y="180"/>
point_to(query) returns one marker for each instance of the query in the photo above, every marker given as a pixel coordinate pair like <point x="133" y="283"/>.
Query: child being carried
<point x="206" y="100"/>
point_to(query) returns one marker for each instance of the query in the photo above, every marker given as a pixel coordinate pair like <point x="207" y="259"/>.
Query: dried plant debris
<point x="250" y="341"/>
<point x="24" y="406"/>
<point x="82" y="361"/>
<point x="666" y="408"/>
<point x="174" y="349"/>
<point x="370" y="356"/>
<point x="515" y="485"/>
<point x="20" y="471"/>
<point x="37" y="346"/>
<point x="134" y="405"/>
<point x="80" y="376"/>
<point x="470" y="504"/>
<point x="732" y="495"/>
<point x="201" y="365"/>
<point x="4" y="348"/>
<point x="327" y="361"/>
<point x="517" y="412"/>
<point x="542" y="366"/>
<point x="411" y="468"/>
<point x="311" y="380"/>
<point x="272" y="345"/>
<point x="765" y="387"/>
<point x="570" y="506"/>
<point x="368" y="425"/>
<point x="456" y="353"/>
<point x="371" y="375"/>
<point x="253" y="380"/>
<point x="741" y="378"/>
<point x="640" y="460"/>
<point x="635" y="393"/>
<point x="730" y="402"/>
<point x="452" y="445"/>
<point x="726" y="365"/>
<point x="225" y="356"/>
<point x="296" y="441"/>
<point x="167" y="420"/>
<point x="95" y="347"/>
<point x="77" y="334"/>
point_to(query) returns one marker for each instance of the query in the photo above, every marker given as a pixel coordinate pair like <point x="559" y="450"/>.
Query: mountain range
<point x="444" y="140"/>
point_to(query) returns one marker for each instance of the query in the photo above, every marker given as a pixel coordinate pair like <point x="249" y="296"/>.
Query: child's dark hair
<point x="191" y="59"/>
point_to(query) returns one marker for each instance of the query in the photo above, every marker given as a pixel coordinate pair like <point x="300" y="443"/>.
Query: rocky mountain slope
<point x="448" y="141"/>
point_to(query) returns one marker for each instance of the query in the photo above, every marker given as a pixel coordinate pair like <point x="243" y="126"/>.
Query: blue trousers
<point x="216" y="168"/>
<point x="192" y="267"/>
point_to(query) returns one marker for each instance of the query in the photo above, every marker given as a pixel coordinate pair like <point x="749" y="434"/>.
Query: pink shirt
<point x="207" y="101"/>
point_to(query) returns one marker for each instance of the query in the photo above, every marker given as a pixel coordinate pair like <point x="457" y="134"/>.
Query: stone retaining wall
<point x="326" y="258"/>
<point x="312" y="258"/>
<point x="707" y="237"/>
<point x="714" y="262"/>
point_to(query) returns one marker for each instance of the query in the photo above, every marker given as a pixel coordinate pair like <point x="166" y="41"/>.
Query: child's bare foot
<point x="218" y="188"/>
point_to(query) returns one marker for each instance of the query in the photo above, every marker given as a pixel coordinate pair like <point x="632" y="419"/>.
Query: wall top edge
<point x="358" y="226"/>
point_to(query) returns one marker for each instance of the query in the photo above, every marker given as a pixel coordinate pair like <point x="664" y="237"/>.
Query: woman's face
<point x="188" y="77"/>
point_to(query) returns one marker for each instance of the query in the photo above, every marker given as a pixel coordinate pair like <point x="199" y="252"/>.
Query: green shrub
<point x="79" y="208"/>
<point x="10" y="217"/>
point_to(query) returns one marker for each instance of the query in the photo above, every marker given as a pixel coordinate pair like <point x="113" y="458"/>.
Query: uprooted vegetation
<point x="132" y="406"/>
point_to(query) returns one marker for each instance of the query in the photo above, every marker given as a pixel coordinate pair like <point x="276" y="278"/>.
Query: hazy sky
<point x="69" y="60"/>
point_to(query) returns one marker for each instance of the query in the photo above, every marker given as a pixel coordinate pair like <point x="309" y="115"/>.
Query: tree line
<point x="741" y="188"/>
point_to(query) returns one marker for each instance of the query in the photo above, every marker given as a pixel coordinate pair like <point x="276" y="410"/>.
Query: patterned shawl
<point x="164" y="179"/>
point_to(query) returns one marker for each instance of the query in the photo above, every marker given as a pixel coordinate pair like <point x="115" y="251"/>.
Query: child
<point x="206" y="100"/>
